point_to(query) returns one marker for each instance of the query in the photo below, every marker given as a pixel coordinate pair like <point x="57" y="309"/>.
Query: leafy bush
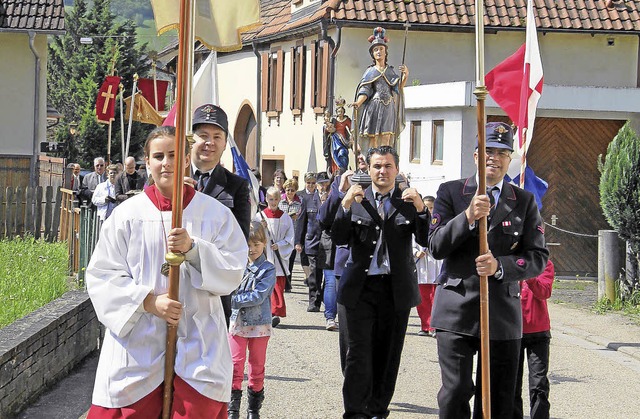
<point x="620" y="195"/>
<point x="32" y="273"/>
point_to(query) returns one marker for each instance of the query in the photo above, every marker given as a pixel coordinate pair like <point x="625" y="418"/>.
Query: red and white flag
<point x="106" y="100"/>
<point x="516" y="83"/>
<point x="532" y="81"/>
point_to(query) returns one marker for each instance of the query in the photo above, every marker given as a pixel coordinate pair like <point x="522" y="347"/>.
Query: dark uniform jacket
<point x="516" y="239"/>
<point x="360" y="229"/>
<point x="233" y="192"/>
<point x="326" y="215"/>
<point x="307" y="229"/>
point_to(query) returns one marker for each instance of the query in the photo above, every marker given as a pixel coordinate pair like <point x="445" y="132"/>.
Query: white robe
<point x="125" y="268"/>
<point x="282" y="235"/>
<point x="428" y="268"/>
<point x="99" y="199"/>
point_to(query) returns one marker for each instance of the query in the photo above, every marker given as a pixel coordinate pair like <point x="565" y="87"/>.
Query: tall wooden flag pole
<point x="133" y="102"/>
<point x="481" y="94"/>
<point x="183" y="128"/>
<point x="122" y="121"/>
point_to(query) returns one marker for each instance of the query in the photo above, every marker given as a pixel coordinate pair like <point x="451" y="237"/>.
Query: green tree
<point x="76" y="71"/>
<point x="620" y="197"/>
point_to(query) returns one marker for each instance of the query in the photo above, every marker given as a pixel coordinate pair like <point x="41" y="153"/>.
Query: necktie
<point x="492" y="199"/>
<point x="382" y="200"/>
<point x="203" y="178"/>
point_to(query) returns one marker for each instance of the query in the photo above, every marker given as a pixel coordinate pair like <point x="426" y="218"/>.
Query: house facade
<point x="24" y="28"/>
<point x="308" y="53"/>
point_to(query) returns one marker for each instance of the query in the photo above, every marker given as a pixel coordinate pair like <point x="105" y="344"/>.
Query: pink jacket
<point x="534" y="295"/>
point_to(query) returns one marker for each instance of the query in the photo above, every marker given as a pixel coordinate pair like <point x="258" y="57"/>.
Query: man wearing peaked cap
<point x="498" y="135"/>
<point x="517" y="251"/>
<point x="211" y="128"/>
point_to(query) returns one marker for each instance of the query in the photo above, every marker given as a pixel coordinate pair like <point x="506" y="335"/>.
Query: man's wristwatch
<point x="498" y="273"/>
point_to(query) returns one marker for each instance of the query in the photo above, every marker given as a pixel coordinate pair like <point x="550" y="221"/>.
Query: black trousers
<point x="535" y="347"/>
<point x="292" y="261"/>
<point x="376" y="333"/>
<point x="343" y="338"/>
<point x="314" y="282"/>
<point x="455" y="356"/>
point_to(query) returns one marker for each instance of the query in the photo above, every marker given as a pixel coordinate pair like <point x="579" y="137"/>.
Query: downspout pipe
<point x="34" y="170"/>
<point x="325" y="37"/>
<point x="258" y="106"/>
<point x="332" y="84"/>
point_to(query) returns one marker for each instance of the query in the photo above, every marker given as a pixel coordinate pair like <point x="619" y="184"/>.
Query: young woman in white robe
<point x="129" y="293"/>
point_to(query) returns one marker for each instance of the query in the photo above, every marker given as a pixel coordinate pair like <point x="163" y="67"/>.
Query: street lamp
<point x="73" y="130"/>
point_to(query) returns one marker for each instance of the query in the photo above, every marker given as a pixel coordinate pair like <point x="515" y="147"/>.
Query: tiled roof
<point x="552" y="15"/>
<point x="276" y="18"/>
<point x="588" y="15"/>
<point x="37" y="15"/>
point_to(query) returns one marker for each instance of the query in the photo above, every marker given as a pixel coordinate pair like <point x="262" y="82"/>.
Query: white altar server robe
<point x="281" y="230"/>
<point x="126" y="267"/>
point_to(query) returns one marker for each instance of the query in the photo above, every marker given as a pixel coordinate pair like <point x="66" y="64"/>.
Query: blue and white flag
<point x="242" y="169"/>
<point x="532" y="183"/>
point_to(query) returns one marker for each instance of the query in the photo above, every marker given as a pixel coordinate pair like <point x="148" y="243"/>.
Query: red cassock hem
<point x="187" y="403"/>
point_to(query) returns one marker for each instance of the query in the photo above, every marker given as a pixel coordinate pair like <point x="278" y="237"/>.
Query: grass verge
<point x="32" y="273"/>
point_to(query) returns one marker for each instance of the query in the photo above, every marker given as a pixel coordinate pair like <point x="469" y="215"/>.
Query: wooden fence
<point x="30" y="211"/>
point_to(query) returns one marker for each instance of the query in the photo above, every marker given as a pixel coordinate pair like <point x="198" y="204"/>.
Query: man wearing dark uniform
<point x="210" y="128"/>
<point x="517" y="251"/>
<point x="378" y="286"/>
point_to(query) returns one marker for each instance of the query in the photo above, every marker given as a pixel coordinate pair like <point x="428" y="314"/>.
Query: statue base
<point x="364" y="180"/>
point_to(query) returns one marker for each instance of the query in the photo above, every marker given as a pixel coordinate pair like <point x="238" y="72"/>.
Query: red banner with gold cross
<point x="106" y="100"/>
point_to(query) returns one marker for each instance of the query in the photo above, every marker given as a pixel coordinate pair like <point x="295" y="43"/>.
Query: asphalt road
<point x="595" y="369"/>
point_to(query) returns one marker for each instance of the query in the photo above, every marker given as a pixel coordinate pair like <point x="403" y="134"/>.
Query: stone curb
<point x="598" y="340"/>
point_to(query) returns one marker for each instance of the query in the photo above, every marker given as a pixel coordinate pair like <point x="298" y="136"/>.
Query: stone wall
<point x="39" y="349"/>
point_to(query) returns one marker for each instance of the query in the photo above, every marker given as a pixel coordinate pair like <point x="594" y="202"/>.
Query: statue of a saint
<point x="379" y="97"/>
<point x="337" y="139"/>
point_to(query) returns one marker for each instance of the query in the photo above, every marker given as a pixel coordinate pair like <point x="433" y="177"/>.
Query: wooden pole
<point x="109" y="144"/>
<point x="481" y="93"/>
<point x="406" y="25"/>
<point x="523" y="159"/>
<point x="133" y="105"/>
<point x="183" y="128"/>
<point x="122" y="121"/>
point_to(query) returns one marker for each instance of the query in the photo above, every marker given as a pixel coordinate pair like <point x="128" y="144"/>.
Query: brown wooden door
<point x="564" y="152"/>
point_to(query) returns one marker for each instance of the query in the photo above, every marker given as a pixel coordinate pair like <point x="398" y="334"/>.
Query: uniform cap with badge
<point x="212" y="115"/>
<point x="498" y="135"/>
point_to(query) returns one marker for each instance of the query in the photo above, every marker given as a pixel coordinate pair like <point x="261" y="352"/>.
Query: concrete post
<point x="609" y="251"/>
<point x="601" y="287"/>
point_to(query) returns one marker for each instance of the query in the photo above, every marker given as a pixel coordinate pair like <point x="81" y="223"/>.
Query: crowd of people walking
<point x="370" y="253"/>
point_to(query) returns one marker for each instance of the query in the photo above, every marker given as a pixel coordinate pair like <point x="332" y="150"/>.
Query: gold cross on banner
<point x="107" y="96"/>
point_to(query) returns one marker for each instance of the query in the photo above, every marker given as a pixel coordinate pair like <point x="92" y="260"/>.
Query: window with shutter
<point x="320" y="75"/>
<point x="314" y="73"/>
<point x="296" y="82"/>
<point x="264" y="86"/>
<point x="272" y="67"/>
<point x="279" y="83"/>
